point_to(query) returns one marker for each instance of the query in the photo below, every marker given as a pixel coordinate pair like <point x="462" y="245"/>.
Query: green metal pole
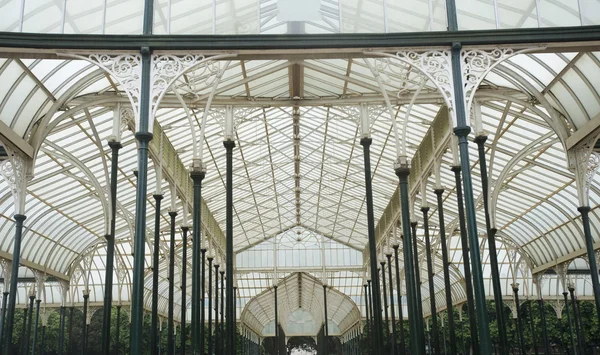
<point x="3" y="314"/>
<point x="276" y="322"/>
<point x="86" y="297"/>
<point x="571" y="335"/>
<point x="197" y="177"/>
<point x="154" y="337"/>
<point x="462" y="131"/>
<point x="223" y="338"/>
<point x="532" y="326"/>
<point x="230" y="343"/>
<point x="37" y="322"/>
<point x="544" y="326"/>
<point x="377" y="335"/>
<point x="110" y="248"/>
<point x="393" y="311"/>
<point x="419" y="303"/>
<point x="29" y="324"/>
<point x="184" y="245"/>
<point x="448" y="291"/>
<point x="400" y="311"/>
<point x="466" y="260"/>
<point x="515" y="288"/>
<point x="43" y="344"/>
<point x="202" y="293"/>
<point x="12" y="297"/>
<point x="577" y="319"/>
<point x="434" y="328"/>
<point x="171" y="308"/>
<point x="210" y="308"/>
<point x="491" y="238"/>
<point x="367" y="311"/>
<point x="589" y="245"/>
<point x="411" y="296"/>
<point x="118" y="335"/>
<point x="61" y="326"/>
<point x="385" y="303"/>
<point x="143" y="137"/>
<point x="217" y="328"/>
<point x="70" y="342"/>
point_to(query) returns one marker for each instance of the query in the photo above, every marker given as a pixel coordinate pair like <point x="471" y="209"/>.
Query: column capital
<point x="229" y="144"/>
<point x="438" y="192"/>
<point x="462" y="131"/>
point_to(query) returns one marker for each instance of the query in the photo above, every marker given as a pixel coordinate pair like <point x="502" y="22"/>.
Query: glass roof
<point x="288" y="16"/>
<point x="299" y="194"/>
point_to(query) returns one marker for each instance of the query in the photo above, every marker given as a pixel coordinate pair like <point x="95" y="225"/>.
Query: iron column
<point x="394" y="342"/>
<point x="37" y="322"/>
<point x="86" y="297"/>
<point x="29" y="323"/>
<point x="197" y="176"/>
<point x="171" y="310"/>
<point x="229" y="145"/>
<point x="210" y="309"/>
<point x="572" y="337"/>
<point x="154" y="337"/>
<point x="400" y="311"/>
<point x="377" y="337"/>
<point x="589" y="245"/>
<point x="515" y="288"/>
<point x="12" y="297"/>
<point x="110" y="248"/>
<point x="184" y="246"/>
<point x="444" y="247"/>
<point x="435" y="330"/>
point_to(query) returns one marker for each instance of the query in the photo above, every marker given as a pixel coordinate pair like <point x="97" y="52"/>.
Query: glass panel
<point x="475" y="14"/>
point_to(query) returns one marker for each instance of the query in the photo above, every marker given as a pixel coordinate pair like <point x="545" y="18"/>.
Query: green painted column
<point x="434" y="329"/>
<point x="203" y="293"/>
<point x="491" y="238"/>
<point x="393" y="311"/>
<point x="37" y="323"/>
<point x="143" y="137"/>
<point x="419" y="303"/>
<point x="542" y="311"/>
<point x="367" y="311"/>
<point x="571" y="335"/>
<point x="217" y="327"/>
<point x="197" y="177"/>
<point x="589" y="245"/>
<point x="466" y="260"/>
<point x="385" y="303"/>
<point x="576" y="320"/>
<point x="448" y="289"/>
<point x="229" y="309"/>
<point x="184" y="247"/>
<point x="377" y="322"/>
<point x="171" y="307"/>
<point x="515" y="288"/>
<point x="3" y="314"/>
<point x="86" y="297"/>
<point x="110" y="248"/>
<point x="61" y="331"/>
<point x="29" y="324"/>
<point x="154" y="336"/>
<point x="402" y="345"/>
<point x="12" y="297"/>
<point x="402" y="172"/>
<point x="210" y="307"/>
<point x="532" y="327"/>
<point x="118" y="333"/>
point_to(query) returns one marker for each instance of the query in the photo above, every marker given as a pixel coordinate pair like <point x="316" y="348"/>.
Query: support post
<point x="197" y="175"/>
<point x="571" y="335"/>
<point x="3" y="314"/>
<point x="462" y="131"/>
<point x="118" y="335"/>
<point x="377" y="336"/>
<point x="184" y="246"/>
<point x="217" y="327"/>
<point x="589" y="245"/>
<point x="466" y="260"/>
<point x="171" y="309"/>
<point x="61" y="334"/>
<point x="43" y="344"/>
<point x="325" y="308"/>
<point x="491" y="239"/>
<point x="12" y="297"/>
<point x="29" y="323"/>
<point x="230" y="343"/>
<point x="435" y="329"/>
<point x="223" y="336"/>
<point x="385" y="303"/>
<point x="419" y="303"/>
<point x="276" y="321"/>
<point x="367" y="311"/>
<point x="110" y="248"/>
<point x="393" y="311"/>
<point x="84" y="331"/>
<point x="577" y="320"/>
<point x="143" y="137"/>
<point x="448" y="292"/>
<point x="203" y="293"/>
<point x="515" y="288"/>
<point x="210" y="309"/>
<point x="154" y="337"/>
<point x="37" y="322"/>
<point x="544" y="326"/>
<point x="532" y="326"/>
<point x="400" y="311"/>
<point x="70" y="342"/>
<point x="402" y="171"/>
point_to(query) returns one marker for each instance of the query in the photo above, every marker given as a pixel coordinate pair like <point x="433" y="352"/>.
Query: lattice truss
<point x="297" y="165"/>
